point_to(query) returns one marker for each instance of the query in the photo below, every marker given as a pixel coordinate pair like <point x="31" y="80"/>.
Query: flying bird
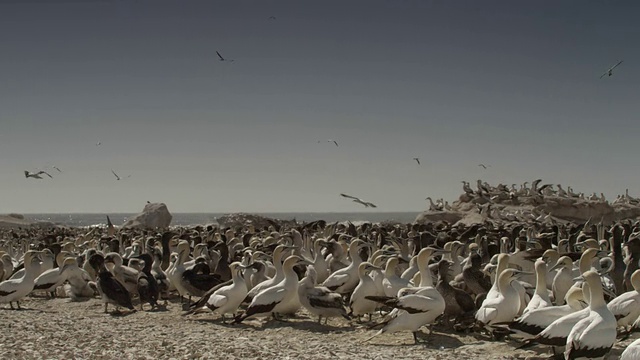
<point x="484" y="166"/>
<point x="55" y="167"/>
<point x="118" y="177"/>
<point x="610" y="71"/>
<point x="28" y="174"/>
<point x="221" y="58"/>
<point x="359" y="201"/>
<point x="272" y="17"/>
<point x="98" y="143"/>
<point x="417" y="160"/>
<point x="328" y="140"/>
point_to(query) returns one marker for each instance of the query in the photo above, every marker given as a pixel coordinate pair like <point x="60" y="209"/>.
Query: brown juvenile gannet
<point x="319" y="300"/>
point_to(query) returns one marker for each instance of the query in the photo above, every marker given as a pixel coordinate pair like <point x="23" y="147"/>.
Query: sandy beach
<point x="60" y="329"/>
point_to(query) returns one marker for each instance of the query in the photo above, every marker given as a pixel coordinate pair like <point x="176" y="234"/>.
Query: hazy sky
<point x="512" y="84"/>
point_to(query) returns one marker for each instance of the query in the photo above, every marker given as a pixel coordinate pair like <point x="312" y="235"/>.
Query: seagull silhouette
<point x="221" y="58"/>
<point x="417" y="160"/>
<point x="118" y="177"/>
<point x="329" y="140"/>
<point x="359" y="201"/>
<point x="55" y="167"/>
<point x="610" y="71"/>
<point x="28" y="174"/>
<point x="484" y="166"/>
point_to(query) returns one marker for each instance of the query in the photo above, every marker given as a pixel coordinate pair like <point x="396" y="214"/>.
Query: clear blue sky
<point x="512" y="84"/>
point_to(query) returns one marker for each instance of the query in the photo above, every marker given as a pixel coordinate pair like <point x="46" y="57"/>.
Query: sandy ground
<point x="60" y="329"/>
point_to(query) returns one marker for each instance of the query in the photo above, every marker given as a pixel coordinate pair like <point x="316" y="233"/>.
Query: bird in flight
<point x="118" y="177"/>
<point x="55" y="167"/>
<point x="484" y="166"/>
<point x="221" y="58"/>
<point x="359" y="201"/>
<point x="417" y="160"/>
<point x="329" y="140"/>
<point x="98" y="143"/>
<point x="272" y="17"/>
<point x="610" y="71"/>
<point x="28" y="174"/>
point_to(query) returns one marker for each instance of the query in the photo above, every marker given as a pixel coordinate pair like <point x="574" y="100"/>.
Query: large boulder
<point x="153" y="216"/>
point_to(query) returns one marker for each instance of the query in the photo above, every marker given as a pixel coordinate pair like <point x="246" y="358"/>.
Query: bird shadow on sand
<point x="304" y="325"/>
<point x="29" y="310"/>
<point x="434" y="341"/>
<point x="122" y="313"/>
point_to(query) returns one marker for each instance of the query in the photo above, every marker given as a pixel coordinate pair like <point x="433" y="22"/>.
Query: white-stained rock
<point x="153" y="216"/>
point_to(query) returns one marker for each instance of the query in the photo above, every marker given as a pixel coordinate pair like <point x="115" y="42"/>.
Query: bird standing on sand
<point x="359" y="201"/>
<point x="28" y="174"/>
<point x="610" y="71"/>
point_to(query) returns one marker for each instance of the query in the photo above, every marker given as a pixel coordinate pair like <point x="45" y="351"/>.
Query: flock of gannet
<point x="542" y="284"/>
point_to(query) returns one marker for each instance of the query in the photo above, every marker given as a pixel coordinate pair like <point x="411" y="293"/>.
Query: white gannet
<point x="329" y="140"/>
<point x="270" y="300"/>
<point x="13" y="290"/>
<point x="626" y="307"/>
<point x="46" y="260"/>
<point x="594" y="336"/>
<point x="36" y="175"/>
<point x="223" y="59"/>
<point x="503" y="263"/>
<point x="359" y="201"/>
<point x="319" y="261"/>
<point x="535" y="321"/>
<point x="319" y="300"/>
<point x="540" y="298"/>
<point x="563" y="280"/>
<point x="278" y="254"/>
<point x="7" y="266"/>
<point x="504" y="307"/>
<point x="632" y="352"/>
<point x="51" y="279"/>
<point x="358" y="304"/>
<point x="411" y="311"/>
<point x="227" y="299"/>
<point x="610" y="71"/>
<point x="118" y="177"/>
<point x="345" y="280"/>
<point x="392" y="283"/>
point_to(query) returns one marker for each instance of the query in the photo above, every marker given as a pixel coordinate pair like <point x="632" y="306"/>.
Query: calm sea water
<point x="207" y="218"/>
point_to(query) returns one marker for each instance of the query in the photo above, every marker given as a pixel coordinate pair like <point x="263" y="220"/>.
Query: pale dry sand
<point x="60" y="329"/>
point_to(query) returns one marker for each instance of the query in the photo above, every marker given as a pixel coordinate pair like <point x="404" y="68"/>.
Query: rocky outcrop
<point x="571" y="209"/>
<point x="243" y="219"/>
<point x="153" y="216"/>
<point x="15" y="221"/>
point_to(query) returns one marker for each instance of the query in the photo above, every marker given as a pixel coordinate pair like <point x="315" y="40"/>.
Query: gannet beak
<point x="554" y="267"/>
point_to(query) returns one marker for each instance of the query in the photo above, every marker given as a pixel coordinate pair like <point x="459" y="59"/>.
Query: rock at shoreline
<point x="153" y="216"/>
<point x="14" y="221"/>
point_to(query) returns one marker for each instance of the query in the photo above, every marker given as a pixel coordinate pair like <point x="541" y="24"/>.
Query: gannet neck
<point x="541" y="277"/>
